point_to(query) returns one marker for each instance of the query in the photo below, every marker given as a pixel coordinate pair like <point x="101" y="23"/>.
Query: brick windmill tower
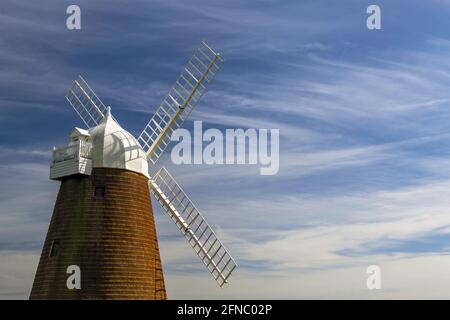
<point x="102" y="223"/>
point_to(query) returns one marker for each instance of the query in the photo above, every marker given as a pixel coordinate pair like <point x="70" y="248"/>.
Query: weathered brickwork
<point x="111" y="237"/>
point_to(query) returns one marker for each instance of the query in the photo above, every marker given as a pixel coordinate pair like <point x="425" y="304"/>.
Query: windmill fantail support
<point x="103" y="220"/>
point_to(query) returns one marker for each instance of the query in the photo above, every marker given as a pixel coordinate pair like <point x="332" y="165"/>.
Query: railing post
<point x="53" y="154"/>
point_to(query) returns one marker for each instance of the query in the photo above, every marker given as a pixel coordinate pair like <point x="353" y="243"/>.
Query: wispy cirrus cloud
<point x="364" y="138"/>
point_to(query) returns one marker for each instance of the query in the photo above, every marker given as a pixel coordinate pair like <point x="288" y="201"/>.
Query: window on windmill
<point x="99" y="191"/>
<point x="54" y="250"/>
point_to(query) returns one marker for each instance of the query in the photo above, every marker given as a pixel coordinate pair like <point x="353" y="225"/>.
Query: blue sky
<point x="364" y="136"/>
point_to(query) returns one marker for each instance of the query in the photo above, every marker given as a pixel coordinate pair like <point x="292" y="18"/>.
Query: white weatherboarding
<point x="107" y="144"/>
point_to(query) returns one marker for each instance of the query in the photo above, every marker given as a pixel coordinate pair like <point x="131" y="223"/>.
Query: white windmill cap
<point x="114" y="147"/>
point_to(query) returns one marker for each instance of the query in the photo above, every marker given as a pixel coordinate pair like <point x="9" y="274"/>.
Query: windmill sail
<point x="195" y="228"/>
<point x="180" y="100"/>
<point x="86" y="103"/>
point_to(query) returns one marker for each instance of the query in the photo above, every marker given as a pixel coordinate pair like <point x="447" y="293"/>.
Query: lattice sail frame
<point x="86" y="103"/>
<point x="193" y="225"/>
<point x="179" y="101"/>
<point x="173" y="111"/>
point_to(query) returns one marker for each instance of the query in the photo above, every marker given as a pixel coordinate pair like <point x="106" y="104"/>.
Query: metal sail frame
<point x="193" y="225"/>
<point x="189" y="87"/>
<point x="86" y="103"/>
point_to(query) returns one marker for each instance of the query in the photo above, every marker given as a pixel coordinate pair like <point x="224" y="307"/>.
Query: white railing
<point x="75" y="149"/>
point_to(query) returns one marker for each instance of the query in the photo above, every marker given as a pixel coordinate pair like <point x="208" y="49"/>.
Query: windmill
<point x="103" y="219"/>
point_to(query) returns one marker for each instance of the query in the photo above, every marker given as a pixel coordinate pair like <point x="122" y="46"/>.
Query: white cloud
<point x="335" y="118"/>
<point x="17" y="273"/>
<point x="408" y="278"/>
<point x="310" y="262"/>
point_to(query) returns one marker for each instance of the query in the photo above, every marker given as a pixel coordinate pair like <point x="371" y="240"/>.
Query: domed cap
<point x="114" y="147"/>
